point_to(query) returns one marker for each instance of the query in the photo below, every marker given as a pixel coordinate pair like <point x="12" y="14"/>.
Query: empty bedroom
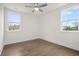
<point x="39" y="29"/>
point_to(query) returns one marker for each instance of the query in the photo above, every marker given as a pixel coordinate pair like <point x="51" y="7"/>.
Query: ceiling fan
<point x="36" y="6"/>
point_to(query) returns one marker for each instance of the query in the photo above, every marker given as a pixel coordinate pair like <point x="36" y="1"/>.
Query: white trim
<point x="68" y="31"/>
<point x="1" y="50"/>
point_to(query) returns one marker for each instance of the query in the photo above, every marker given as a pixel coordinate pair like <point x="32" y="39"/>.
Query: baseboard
<point x="60" y="44"/>
<point x="22" y="41"/>
<point x="1" y="50"/>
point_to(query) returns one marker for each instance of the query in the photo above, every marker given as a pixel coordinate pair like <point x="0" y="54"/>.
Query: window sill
<point x="69" y="31"/>
<point x="14" y="31"/>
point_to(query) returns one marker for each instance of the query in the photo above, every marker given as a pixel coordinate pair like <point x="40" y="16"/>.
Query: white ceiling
<point x="21" y="7"/>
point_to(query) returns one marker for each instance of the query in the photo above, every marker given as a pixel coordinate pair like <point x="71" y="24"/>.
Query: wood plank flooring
<point x="37" y="47"/>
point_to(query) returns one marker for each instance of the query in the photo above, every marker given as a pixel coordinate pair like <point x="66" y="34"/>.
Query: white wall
<point x="29" y="29"/>
<point x="50" y="25"/>
<point x="1" y="28"/>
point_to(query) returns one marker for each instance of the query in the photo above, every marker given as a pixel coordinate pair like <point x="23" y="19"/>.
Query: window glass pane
<point x="13" y="21"/>
<point x="70" y="19"/>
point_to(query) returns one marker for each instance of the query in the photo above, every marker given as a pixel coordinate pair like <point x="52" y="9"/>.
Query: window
<point x="70" y="19"/>
<point x="14" y="20"/>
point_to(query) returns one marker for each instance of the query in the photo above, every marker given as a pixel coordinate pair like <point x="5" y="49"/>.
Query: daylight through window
<point x="70" y="19"/>
<point x="13" y="21"/>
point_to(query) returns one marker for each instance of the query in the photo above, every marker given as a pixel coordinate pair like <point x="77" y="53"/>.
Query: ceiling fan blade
<point x="30" y="6"/>
<point x="43" y="5"/>
<point x="40" y="10"/>
<point x="36" y="5"/>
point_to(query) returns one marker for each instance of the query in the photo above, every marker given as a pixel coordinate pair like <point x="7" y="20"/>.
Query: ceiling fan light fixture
<point x="36" y="9"/>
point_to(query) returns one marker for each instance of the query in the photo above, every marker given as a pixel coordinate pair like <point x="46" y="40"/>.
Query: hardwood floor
<point x="37" y="47"/>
